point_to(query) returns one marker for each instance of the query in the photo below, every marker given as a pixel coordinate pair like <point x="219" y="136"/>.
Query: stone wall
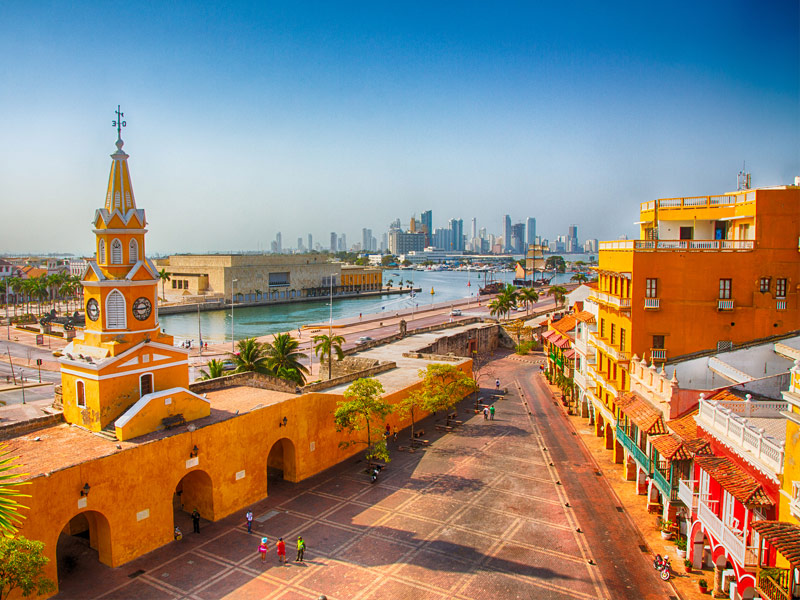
<point x="329" y="383"/>
<point x="348" y="365"/>
<point x="486" y="338"/>
<point x="250" y="379"/>
<point x="18" y="428"/>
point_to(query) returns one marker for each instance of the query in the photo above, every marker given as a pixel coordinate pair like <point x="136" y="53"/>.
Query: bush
<point x="24" y="318"/>
<point x="702" y="583"/>
<point x="525" y="347"/>
<point x="681" y="543"/>
<point x="687" y="563"/>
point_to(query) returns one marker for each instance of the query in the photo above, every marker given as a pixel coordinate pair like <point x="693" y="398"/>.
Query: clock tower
<point x="123" y="356"/>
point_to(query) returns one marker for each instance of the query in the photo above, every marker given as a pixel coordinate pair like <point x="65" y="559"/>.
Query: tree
<point x="283" y="358"/>
<point x="555" y="264"/>
<point x="15" y="285"/>
<point x="579" y="277"/>
<point x="216" y="368"/>
<point x="164" y="277"/>
<point x="388" y="259"/>
<point x="362" y="406"/>
<point x="9" y="492"/>
<point x="22" y="563"/>
<point x="326" y="346"/>
<point x="528" y="296"/>
<point x="516" y="328"/>
<point x="504" y="302"/>
<point x="444" y="385"/>
<point x="558" y="293"/>
<point x="250" y="356"/>
<point x="412" y="403"/>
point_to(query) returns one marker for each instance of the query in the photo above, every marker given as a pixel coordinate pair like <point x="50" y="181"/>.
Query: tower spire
<point x="119" y="123"/>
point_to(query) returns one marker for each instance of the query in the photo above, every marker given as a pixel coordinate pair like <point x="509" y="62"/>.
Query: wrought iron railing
<point x="638" y="454"/>
<point x="773" y="583"/>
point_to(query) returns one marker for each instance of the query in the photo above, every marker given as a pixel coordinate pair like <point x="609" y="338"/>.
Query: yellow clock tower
<point x="124" y="358"/>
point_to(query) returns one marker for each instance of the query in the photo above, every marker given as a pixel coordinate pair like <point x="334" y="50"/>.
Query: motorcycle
<point x="662" y="564"/>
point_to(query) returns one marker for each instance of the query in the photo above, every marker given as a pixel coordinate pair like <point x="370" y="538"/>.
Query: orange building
<point x="707" y="273"/>
<point x="356" y="278"/>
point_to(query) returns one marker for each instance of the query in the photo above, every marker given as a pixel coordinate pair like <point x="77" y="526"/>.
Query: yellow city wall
<point x="149" y="418"/>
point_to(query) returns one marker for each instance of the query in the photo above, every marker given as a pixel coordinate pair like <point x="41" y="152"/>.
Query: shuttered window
<point x="116" y="252"/>
<point x="115" y="311"/>
<point x="133" y="252"/>
<point x="101" y="252"/>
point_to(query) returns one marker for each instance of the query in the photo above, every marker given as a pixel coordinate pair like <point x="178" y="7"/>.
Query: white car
<point x="363" y="339"/>
<point x="456" y="312"/>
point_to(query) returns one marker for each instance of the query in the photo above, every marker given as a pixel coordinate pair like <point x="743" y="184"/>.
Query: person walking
<point x="491" y="412"/>
<point x="394" y="433"/>
<point x="497" y="385"/>
<point x="196" y="521"/>
<point x="262" y="549"/>
<point x="301" y="548"/>
<point x="485" y="413"/>
<point x="249" y="518"/>
<point x="281" y="548"/>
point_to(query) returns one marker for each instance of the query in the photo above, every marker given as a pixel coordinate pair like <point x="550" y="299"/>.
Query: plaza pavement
<point x="490" y="510"/>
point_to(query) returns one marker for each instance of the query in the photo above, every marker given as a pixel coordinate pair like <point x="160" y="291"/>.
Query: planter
<point x="688" y="569"/>
<point x="665" y="535"/>
<point x="703" y="588"/>
<point x="681" y="553"/>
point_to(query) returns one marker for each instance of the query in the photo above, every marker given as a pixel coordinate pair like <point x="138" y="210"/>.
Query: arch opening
<point x="281" y="462"/>
<point x="83" y="542"/>
<point x="195" y="491"/>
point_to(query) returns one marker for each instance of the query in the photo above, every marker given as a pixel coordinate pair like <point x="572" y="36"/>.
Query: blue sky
<point x="252" y="118"/>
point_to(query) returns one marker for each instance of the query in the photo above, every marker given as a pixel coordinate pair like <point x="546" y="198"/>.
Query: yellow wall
<point x="149" y="417"/>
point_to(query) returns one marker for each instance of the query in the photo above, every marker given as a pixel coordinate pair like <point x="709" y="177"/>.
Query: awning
<point x="646" y="417"/>
<point x="783" y="536"/>
<point x="670" y="447"/>
<point x="549" y="334"/>
<point x="570" y="353"/>
<point x="735" y="480"/>
<point x="562" y="342"/>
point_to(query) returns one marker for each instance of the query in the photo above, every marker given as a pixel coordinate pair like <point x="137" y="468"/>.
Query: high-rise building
<point x="572" y="239"/>
<point x="300" y="244"/>
<point x="279" y="242"/>
<point x="518" y="238"/>
<point x="482" y="233"/>
<point x="507" y="234"/>
<point x="342" y="242"/>
<point x="395" y="225"/>
<point x="310" y="242"/>
<point x="530" y="231"/>
<point x="456" y="234"/>
<point x="401" y="242"/>
<point x="334" y="241"/>
<point x="443" y="238"/>
<point x="384" y="242"/>
<point x="474" y="231"/>
<point x="366" y="239"/>
<point x="427" y="225"/>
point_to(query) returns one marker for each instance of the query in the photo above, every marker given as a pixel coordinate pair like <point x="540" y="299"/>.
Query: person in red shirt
<point x="281" y="547"/>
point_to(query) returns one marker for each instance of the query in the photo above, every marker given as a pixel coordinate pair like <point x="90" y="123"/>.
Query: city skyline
<point x="254" y="120"/>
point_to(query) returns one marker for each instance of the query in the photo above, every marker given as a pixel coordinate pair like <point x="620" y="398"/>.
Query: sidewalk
<point x="685" y="584"/>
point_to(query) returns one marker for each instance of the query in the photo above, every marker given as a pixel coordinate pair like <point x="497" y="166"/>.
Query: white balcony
<point x="794" y="503"/>
<point x="617" y="355"/>
<point x="687" y="493"/>
<point x="724" y="304"/>
<point x="680" y="245"/>
<point x="652" y="303"/>
<point x="781" y="305"/>
<point x="658" y="354"/>
<point x="733" y="541"/>
<point x="728" y="422"/>
<point x="610" y="300"/>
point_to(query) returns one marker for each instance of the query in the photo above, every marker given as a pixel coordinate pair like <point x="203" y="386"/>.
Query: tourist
<point x="491" y="412"/>
<point x="387" y="433"/>
<point x="249" y="518"/>
<point x="262" y="549"/>
<point x="497" y="384"/>
<point x="196" y="521"/>
<point x="301" y="548"/>
<point x="394" y="433"/>
<point x="177" y="533"/>
<point x="485" y="413"/>
<point x="281" y="548"/>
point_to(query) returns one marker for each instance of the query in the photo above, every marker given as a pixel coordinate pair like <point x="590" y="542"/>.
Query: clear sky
<point x="245" y="119"/>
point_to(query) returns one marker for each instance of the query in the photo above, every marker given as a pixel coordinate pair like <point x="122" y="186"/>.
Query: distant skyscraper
<point x="384" y="242"/>
<point x="482" y="233"/>
<point x="530" y="231"/>
<point x="279" y="242"/>
<point x="456" y="234"/>
<point x="342" y="242"/>
<point x="518" y="238"/>
<point x="310" y="242"/>
<point x="366" y="239"/>
<point x="572" y="239"/>
<point x="507" y="234"/>
<point x="334" y="241"/>
<point x="427" y="225"/>
<point x="474" y="232"/>
<point x="299" y="244"/>
<point x="396" y="225"/>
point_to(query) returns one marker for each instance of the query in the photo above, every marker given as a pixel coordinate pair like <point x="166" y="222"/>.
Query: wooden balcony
<point x="638" y="454"/>
<point x="773" y="583"/>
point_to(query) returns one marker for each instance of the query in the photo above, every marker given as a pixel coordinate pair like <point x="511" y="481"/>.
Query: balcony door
<point x="687" y="233"/>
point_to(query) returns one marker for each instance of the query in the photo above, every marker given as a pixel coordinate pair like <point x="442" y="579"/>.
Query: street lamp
<point x="233" y="339"/>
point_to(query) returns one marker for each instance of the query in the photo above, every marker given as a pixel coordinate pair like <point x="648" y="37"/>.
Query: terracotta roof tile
<point x="584" y="317"/>
<point x="570" y="353"/>
<point x="670" y="447"/>
<point x="686" y="427"/>
<point x="784" y="537"/>
<point x="736" y="481"/>
<point x="562" y="342"/>
<point x="642" y="413"/>
<point x="565" y="324"/>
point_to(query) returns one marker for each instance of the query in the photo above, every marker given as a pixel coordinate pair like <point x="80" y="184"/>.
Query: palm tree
<point x="250" y="356"/>
<point x="579" y="277"/>
<point x="326" y="346"/>
<point x="528" y="296"/>
<point x="15" y="283"/>
<point x="283" y="358"/>
<point x="9" y="492"/>
<point x="558" y="293"/>
<point x="216" y="368"/>
<point x="163" y="276"/>
<point x="40" y="290"/>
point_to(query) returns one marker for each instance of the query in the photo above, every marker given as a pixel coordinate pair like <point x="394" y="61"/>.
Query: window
<point x="658" y="341"/>
<point x="613" y="333"/>
<point x="728" y="512"/>
<point x="621" y="339"/>
<point x="80" y="393"/>
<point x="763" y="285"/>
<point x="145" y="384"/>
<point x="174" y="283"/>
<point x="780" y="288"/>
<point x="115" y="310"/>
<point x="651" y="291"/>
<point x="687" y="233"/>
<point x="186" y="284"/>
<point x="133" y="252"/>
<point x="602" y="328"/>
<point x="116" y="252"/>
<point x="101" y="252"/>
<point x="724" y="289"/>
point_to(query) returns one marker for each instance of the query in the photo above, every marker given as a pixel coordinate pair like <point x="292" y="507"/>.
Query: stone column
<point x="717" y="591"/>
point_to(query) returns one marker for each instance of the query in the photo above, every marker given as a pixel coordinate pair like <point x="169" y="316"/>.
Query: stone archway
<point x="84" y="541"/>
<point x="281" y="462"/>
<point x="195" y="490"/>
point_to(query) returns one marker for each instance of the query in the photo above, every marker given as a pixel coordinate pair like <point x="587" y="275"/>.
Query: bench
<point x="173" y="421"/>
<point x="443" y="428"/>
<point x="419" y="434"/>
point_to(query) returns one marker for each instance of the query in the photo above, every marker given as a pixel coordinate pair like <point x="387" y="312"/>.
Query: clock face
<point x="141" y="308"/>
<point x="92" y="309"/>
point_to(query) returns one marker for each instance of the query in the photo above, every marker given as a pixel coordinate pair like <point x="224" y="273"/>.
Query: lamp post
<point x="233" y="339"/>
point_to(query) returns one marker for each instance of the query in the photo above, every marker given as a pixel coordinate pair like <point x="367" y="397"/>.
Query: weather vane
<point x="119" y="123"/>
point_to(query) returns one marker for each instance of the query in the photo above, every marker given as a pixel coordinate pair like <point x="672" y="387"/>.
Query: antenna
<point x="119" y="123"/>
<point x="743" y="179"/>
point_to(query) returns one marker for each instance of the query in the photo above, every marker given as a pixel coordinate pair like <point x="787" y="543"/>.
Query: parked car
<point x="456" y="312"/>
<point x="364" y="339"/>
<point x="228" y="365"/>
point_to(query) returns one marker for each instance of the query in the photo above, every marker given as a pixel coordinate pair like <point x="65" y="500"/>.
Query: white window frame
<point x="115" y="253"/>
<point x="728" y="511"/>
<point x="120" y="319"/>
<point x="133" y="251"/>
<point x="101" y="251"/>
<point x="80" y="384"/>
